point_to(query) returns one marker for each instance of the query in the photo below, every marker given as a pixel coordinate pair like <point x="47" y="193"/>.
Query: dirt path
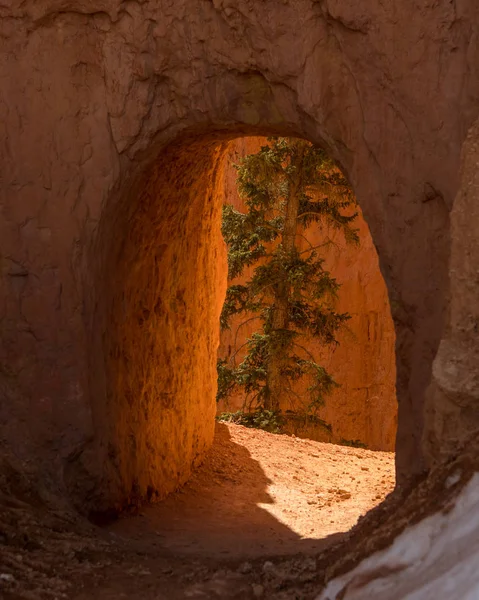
<point x="240" y="530"/>
<point x="260" y="494"/>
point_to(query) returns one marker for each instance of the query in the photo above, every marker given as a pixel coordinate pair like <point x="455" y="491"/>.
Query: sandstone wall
<point x="93" y="95"/>
<point x="159" y="279"/>
<point x="364" y="407"/>
<point x="453" y="397"/>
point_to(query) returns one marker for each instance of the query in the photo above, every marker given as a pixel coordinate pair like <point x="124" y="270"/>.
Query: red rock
<point x="364" y="408"/>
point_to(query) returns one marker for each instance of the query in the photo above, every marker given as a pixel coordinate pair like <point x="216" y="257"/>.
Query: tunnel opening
<point x="129" y="82"/>
<point x="356" y="356"/>
<point x="162" y="277"/>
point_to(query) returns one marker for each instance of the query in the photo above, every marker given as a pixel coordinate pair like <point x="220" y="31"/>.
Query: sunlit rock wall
<point x="364" y="407"/>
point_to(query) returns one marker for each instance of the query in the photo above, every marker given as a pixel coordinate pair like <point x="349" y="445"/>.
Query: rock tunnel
<point x="111" y="256"/>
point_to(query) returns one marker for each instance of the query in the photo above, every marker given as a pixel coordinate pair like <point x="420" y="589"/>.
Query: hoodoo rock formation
<point x="363" y="409"/>
<point x="112" y="119"/>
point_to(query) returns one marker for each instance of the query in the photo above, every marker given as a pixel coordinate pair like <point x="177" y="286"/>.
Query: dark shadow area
<point x="216" y="514"/>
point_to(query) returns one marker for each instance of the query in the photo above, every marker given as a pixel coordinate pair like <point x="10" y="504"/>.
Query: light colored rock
<point x="245" y="568"/>
<point x="436" y="559"/>
<point x="268" y="567"/>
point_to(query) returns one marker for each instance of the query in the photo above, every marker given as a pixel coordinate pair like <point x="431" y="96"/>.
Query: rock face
<point x="409" y="568"/>
<point x="364" y="407"/>
<point x="426" y="548"/>
<point x="112" y="116"/>
<point x="452" y="401"/>
<point x="159" y="288"/>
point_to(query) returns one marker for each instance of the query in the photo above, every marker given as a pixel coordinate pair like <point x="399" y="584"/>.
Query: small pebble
<point x="245" y="568"/>
<point x="268" y="567"/>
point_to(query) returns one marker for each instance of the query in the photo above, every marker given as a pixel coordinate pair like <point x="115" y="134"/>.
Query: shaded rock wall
<point x="453" y="396"/>
<point x="364" y="407"/>
<point x="92" y="95"/>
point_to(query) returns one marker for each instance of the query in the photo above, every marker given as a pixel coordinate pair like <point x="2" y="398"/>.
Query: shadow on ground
<point x="218" y="514"/>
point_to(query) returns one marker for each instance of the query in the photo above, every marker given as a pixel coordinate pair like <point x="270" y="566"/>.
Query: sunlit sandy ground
<point x="260" y="494"/>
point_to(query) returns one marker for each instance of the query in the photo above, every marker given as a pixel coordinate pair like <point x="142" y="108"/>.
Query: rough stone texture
<point x="416" y="546"/>
<point x="364" y="407"/>
<point x="93" y="92"/>
<point x="453" y="396"/>
<point x="160" y="282"/>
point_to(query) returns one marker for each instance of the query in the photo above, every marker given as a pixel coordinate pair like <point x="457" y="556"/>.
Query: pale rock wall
<point x="424" y="546"/>
<point x="364" y="408"/>
<point x="427" y="561"/>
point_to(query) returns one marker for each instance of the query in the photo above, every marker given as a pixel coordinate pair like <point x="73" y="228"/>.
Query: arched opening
<point x="160" y="285"/>
<point x="158" y="268"/>
<point x="127" y="167"/>
<point x="159" y="282"/>
<point x="79" y="259"/>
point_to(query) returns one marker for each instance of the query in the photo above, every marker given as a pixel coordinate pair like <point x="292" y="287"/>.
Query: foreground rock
<point x="433" y="559"/>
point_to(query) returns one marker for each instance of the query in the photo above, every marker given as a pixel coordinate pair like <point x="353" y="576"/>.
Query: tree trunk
<point x="280" y="318"/>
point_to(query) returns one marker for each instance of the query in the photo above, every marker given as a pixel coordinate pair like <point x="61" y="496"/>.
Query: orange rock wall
<point x="364" y="408"/>
<point x="160" y="300"/>
<point x="94" y="93"/>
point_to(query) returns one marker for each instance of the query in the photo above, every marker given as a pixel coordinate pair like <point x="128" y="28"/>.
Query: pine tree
<point x="286" y="186"/>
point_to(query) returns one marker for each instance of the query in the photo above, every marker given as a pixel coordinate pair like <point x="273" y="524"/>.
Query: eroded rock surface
<point x="92" y="95"/>
<point x="436" y="555"/>
<point x="453" y="397"/>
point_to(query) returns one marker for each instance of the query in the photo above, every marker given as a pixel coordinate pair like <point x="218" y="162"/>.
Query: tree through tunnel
<point x="360" y="407"/>
<point x="113" y="122"/>
<point x="108" y="208"/>
<point x="157" y="285"/>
